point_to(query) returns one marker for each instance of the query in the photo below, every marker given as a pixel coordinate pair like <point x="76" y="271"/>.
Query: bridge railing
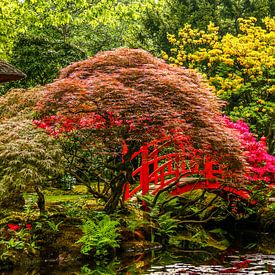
<point x="158" y="170"/>
<point x="165" y="162"/>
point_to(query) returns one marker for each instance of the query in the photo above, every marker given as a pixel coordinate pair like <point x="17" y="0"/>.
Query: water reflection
<point x="184" y="262"/>
<point x="233" y="264"/>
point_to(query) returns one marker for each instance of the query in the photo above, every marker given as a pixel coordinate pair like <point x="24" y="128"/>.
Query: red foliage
<point x="242" y="264"/>
<point x="129" y="96"/>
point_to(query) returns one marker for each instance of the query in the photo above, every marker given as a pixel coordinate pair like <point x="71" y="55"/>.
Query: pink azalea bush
<point x="261" y="164"/>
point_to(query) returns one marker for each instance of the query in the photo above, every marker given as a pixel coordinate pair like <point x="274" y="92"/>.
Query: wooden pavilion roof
<point x="9" y="72"/>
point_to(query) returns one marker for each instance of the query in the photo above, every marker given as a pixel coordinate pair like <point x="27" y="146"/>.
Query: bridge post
<point x="144" y="171"/>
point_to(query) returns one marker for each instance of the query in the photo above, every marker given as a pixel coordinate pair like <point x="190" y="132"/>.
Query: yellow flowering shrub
<point x="240" y="67"/>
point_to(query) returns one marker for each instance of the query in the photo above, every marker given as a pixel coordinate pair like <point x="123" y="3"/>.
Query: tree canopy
<point x="48" y="29"/>
<point x="128" y="95"/>
<point x="29" y="157"/>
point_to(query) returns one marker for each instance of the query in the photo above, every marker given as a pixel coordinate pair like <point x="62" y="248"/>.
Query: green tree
<point x="41" y="59"/>
<point x="151" y="23"/>
<point x="29" y="158"/>
<point x="224" y="13"/>
<point x="90" y="25"/>
<point x="231" y="11"/>
<point x="56" y="33"/>
<point x="157" y="18"/>
<point x="10" y="25"/>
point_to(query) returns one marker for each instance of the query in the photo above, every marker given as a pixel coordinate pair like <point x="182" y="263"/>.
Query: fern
<point x="99" y="236"/>
<point x="167" y="225"/>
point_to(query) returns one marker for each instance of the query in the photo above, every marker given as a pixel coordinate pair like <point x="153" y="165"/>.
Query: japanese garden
<point x="137" y="137"/>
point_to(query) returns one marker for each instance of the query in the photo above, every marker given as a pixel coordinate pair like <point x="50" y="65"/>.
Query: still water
<point x="163" y="263"/>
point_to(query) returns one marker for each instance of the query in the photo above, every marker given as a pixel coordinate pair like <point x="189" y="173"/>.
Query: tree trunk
<point x="40" y="200"/>
<point x="113" y="202"/>
<point x="125" y="175"/>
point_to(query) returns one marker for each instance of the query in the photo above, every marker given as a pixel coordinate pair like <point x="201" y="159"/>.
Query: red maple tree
<point x="129" y="97"/>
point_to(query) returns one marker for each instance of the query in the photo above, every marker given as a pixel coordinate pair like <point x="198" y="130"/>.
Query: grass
<point x="65" y="198"/>
<point x="57" y="198"/>
<point x="272" y="206"/>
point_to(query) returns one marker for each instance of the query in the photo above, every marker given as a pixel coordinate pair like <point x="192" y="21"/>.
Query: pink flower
<point x="262" y="165"/>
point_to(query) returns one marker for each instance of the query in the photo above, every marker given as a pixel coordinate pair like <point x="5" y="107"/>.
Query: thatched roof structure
<point x="9" y="72"/>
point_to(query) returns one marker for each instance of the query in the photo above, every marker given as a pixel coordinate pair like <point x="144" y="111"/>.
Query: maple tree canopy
<point x="128" y="95"/>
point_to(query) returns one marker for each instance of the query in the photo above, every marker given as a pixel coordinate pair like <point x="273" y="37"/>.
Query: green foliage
<point x="10" y="25"/>
<point x="157" y="18"/>
<point x="161" y="218"/>
<point x="167" y="225"/>
<point x="225" y="13"/>
<point x="101" y="25"/>
<point x="13" y="243"/>
<point x="75" y="209"/>
<point x="102" y="268"/>
<point x="41" y="59"/>
<point x="28" y="157"/>
<point x="151" y="22"/>
<point x="19" y="103"/>
<point x="47" y="227"/>
<point x="41" y="37"/>
<point x="66" y="30"/>
<point x="54" y="226"/>
<point x="136" y="220"/>
<point x="80" y="189"/>
<point x="99" y="236"/>
<point x="179" y="221"/>
<point x="30" y="205"/>
<point x="196" y="237"/>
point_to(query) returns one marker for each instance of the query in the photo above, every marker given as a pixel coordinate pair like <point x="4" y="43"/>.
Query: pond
<point x="162" y="263"/>
<point x="232" y="264"/>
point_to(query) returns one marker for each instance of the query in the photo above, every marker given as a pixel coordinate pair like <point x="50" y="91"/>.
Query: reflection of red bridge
<point x="179" y="167"/>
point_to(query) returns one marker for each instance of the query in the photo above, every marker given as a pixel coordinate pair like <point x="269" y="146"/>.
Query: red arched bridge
<point x="180" y="168"/>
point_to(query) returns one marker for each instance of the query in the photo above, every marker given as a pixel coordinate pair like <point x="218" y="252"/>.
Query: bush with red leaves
<point x="129" y="97"/>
